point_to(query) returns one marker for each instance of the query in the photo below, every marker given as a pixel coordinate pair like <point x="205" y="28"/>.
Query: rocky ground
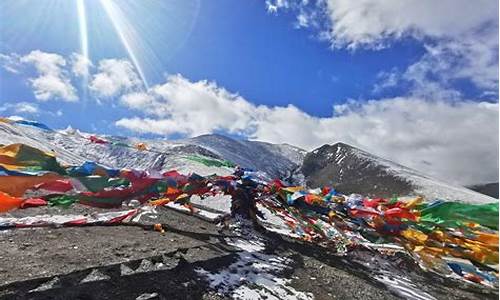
<point x="193" y="259"/>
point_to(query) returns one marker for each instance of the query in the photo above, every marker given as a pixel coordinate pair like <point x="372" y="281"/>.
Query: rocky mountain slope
<point x="352" y="170"/>
<point x="490" y="189"/>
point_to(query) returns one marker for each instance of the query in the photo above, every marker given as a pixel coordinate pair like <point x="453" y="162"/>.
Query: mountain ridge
<point x="346" y="167"/>
<point x="353" y="170"/>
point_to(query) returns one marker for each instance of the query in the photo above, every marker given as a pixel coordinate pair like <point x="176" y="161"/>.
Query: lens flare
<point x="125" y="32"/>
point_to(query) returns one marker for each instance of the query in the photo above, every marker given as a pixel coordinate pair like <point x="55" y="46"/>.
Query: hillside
<point x="74" y="147"/>
<point x="352" y="170"/>
<point x="490" y="189"/>
<point x="347" y="168"/>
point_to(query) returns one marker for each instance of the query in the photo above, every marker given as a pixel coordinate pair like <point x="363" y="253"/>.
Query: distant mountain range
<point x="347" y="168"/>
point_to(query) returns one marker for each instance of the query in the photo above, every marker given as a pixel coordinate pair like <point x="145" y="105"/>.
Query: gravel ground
<point x="128" y="262"/>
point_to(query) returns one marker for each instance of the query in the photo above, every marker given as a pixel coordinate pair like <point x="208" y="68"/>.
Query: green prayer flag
<point x="454" y="214"/>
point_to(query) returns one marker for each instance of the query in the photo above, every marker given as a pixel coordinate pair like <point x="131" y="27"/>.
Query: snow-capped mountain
<point x="74" y="147"/>
<point x="278" y="161"/>
<point x="349" y="169"/>
<point x="352" y="170"/>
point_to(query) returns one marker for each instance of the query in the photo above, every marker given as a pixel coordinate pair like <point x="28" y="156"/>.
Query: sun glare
<point x="84" y="39"/>
<point x="125" y="32"/>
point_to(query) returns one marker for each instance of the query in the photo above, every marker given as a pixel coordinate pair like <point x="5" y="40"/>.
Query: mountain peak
<point x="352" y="170"/>
<point x="337" y="165"/>
<point x="341" y="144"/>
<point x="334" y="146"/>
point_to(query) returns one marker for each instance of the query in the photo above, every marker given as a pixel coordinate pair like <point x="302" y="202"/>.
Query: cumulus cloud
<point x="373" y="23"/>
<point x="455" y="140"/>
<point x="115" y="76"/>
<point x="461" y="36"/>
<point x="20" y="108"/>
<point x="80" y="65"/>
<point x="194" y="107"/>
<point x="53" y="81"/>
<point x="112" y="78"/>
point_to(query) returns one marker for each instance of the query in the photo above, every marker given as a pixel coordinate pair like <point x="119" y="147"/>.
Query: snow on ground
<point x="254" y="274"/>
<point x="219" y="203"/>
<point x="208" y="215"/>
<point x="62" y="219"/>
<point x="274" y="223"/>
<point x="209" y="208"/>
<point x="201" y="213"/>
<point x="403" y="287"/>
<point x="389" y="273"/>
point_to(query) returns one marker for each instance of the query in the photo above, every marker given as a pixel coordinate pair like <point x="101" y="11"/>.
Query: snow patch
<point x="403" y="287"/>
<point x="254" y="274"/>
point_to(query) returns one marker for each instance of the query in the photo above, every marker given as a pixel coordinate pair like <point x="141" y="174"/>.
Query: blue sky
<point x="301" y="72"/>
<point x="225" y="39"/>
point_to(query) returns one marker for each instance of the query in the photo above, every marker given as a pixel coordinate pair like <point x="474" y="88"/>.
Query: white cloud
<point x="138" y="100"/>
<point x="148" y="125"/>
<point x="455" y="140"/>
<point x="115" y="76"/>
<point x="48" y="87"/>
<point x="461" y="36"/>
<point x="371" y="22"/>
<point x="80" y="65"/>
<point x="25" y="107"/>
<point x="10" y="62"/>
<point x="473" y="58"/>
<point x="273" y="6"/>
<point x="53" y="81"/>
<point x="20" y="108"/>
<point x="195" y="107"/>
<point x="470" y="57"/>
<point x="302" y="21"/>
<point x="386" y="79"/>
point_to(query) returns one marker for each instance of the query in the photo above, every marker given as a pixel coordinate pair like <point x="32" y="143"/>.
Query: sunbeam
<point x="147" y="33"/>
<point x="84" y="42"/>
<point x="125" y="32"/>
